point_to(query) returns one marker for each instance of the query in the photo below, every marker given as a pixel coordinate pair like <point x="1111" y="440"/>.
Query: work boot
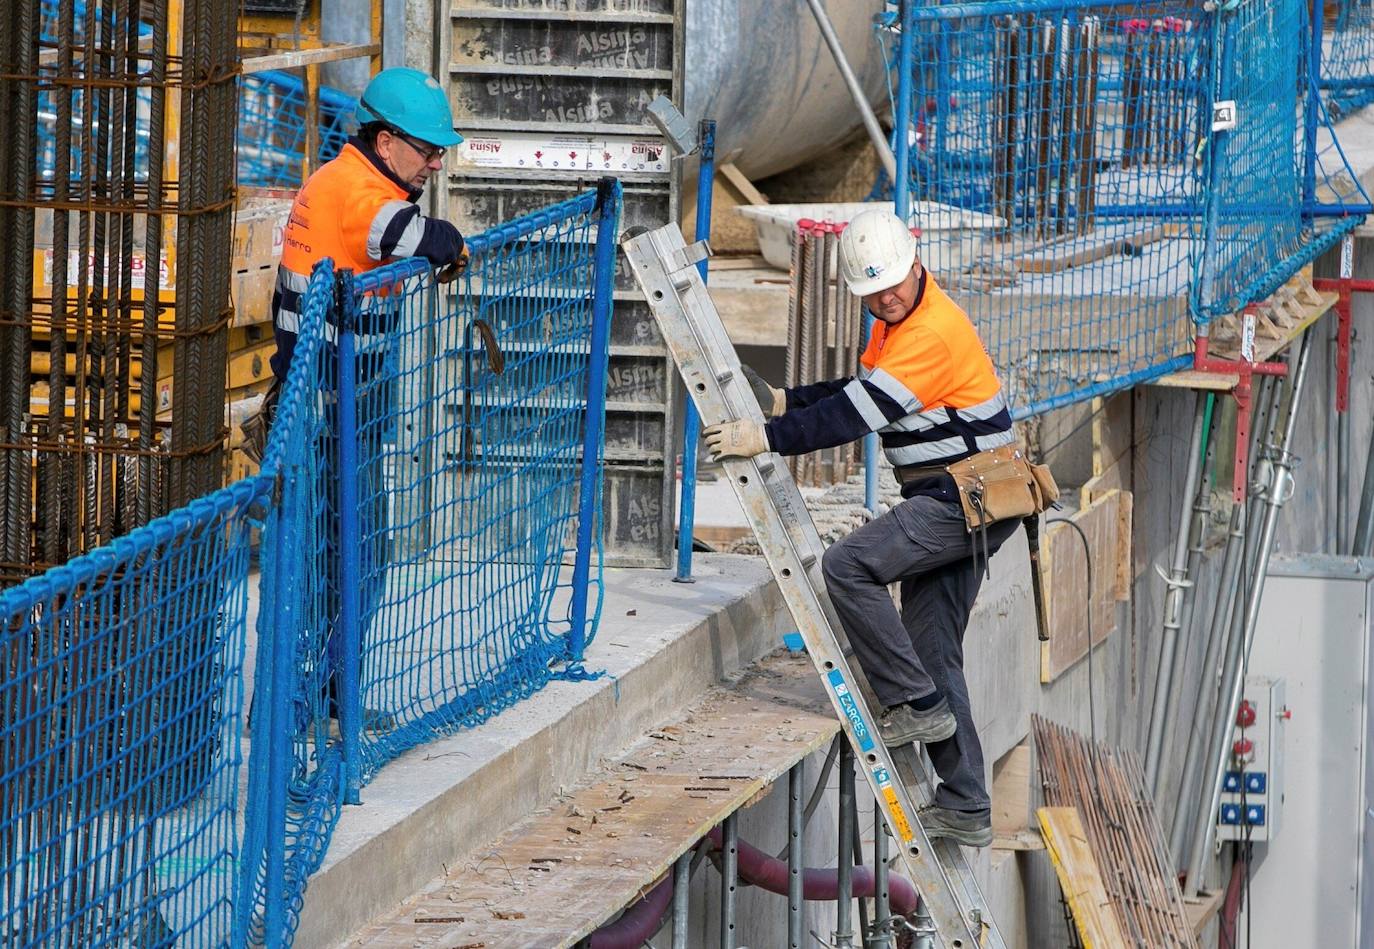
<point x="901" y="725"/>
<point x="970" y="828"/>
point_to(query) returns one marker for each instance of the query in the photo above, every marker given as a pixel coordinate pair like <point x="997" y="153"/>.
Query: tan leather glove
<point x="451" y="272"/>
<point x="742" y="439"/>
<point x="773" y="401"/>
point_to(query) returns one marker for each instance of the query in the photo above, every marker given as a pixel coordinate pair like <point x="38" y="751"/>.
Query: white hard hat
<point x="876" y="251"/>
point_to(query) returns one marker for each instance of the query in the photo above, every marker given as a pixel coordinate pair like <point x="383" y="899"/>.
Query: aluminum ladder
<point x="666" y="270"/>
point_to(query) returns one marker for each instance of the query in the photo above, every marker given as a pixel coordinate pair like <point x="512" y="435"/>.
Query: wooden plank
<point x="1265" y="350"/>
<point x="596" y="850"/>
<point x="1201" y="910"/>
<point x="1084" y="249"/>
<point x="742" y="185"/>
<point x="254" y="62"/>
<point x="1066" y="581"/>
<point x="1076" y="867"/>
<point x="1011" y="785"/>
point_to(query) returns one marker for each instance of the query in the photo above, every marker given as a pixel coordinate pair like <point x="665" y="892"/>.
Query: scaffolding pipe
<point x="844" y="903"/>
<point x="1279" y="491"/>
<point x="1237" y="556"/>
<point x="856" y="92"/>
<point x="1177" y="585"/>
<point x="796" y="784"/>
<point x="1343" y="530"/>
<point x="1363" y="545"/>
<point x="882" y="907"/>
<point x="1197" y="538"/>
<point x="682" y="878"/>
<point x="729" y="877"/>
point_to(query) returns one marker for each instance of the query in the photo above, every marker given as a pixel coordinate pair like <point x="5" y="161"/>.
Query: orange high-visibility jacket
<point x="925" y="385"/>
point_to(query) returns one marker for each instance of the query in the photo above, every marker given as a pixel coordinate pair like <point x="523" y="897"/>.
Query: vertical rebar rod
<point x="729" y="878"/>
<point x="682" y="879"/>
<point x="796" y="789"/>
<point x="1280" y="489"/>
<point x="1176" y="590"/>
<point x="844" y="935"/>
<point x="152" y="251"/>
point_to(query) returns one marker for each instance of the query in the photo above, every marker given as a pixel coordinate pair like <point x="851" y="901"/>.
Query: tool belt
<point x="1000" y="484"/>
<point x="994" y="485"/>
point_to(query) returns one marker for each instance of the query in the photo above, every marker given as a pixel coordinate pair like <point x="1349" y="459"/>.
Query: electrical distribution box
<point x="1313" y="884"/>
<point x="1252" y="791"/>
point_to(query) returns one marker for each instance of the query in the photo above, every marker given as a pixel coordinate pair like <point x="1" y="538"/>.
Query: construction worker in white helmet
<point x="927" y="387"/>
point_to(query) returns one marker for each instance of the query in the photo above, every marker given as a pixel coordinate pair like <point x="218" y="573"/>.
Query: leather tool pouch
<point x="1000" y="484"/>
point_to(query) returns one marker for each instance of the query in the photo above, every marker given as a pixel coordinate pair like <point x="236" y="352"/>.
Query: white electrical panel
<point x="1312" y="872"/>
<point x="1252" y="792"/>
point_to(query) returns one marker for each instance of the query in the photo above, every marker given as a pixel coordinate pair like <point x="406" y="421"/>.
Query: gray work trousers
<point x="924" y="543"/>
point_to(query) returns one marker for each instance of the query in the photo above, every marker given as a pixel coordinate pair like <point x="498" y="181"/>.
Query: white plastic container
<point x="951" y="237"/>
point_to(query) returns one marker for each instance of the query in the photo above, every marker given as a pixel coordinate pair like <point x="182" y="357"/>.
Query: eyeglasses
<point x="425" y="150"/>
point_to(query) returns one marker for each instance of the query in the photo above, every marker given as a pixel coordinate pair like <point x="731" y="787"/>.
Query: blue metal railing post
<point x="349" y="633"/>
<point x="603" y="288"/>
<point x="901" y="193"/>
<point x="1313" y="110"/>
<point x="691" y="422"/>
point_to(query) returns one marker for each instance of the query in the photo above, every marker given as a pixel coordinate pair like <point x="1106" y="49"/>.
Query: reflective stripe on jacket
<point x="356" y="212"/>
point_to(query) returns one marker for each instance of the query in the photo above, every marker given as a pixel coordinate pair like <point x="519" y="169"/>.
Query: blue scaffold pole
<point x="349" y="632"/>
<point x="1313" y="110"/>
<point x="603" y="287"/>
<point x="691" y="423"/>
<point x="901" y="191"/>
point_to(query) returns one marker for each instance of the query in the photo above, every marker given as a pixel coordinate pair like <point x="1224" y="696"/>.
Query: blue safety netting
<point x="120" y="760"/>
<point x="472" y="410"/>
<point x="456" y="571"/>
<point x="271" y="130"/>
<point x="1071" y="192"/>
<point x="298" y="777"/>
<point x="1347" y="68"/>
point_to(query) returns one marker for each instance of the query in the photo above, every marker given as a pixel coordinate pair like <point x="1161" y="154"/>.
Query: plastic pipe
<point x="643" y="918"/>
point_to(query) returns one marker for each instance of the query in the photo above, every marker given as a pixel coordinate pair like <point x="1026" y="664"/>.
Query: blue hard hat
<point x="410" y="101"/>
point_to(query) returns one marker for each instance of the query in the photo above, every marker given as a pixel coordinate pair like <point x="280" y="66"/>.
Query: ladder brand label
<point x="894" y="810"/>
<point x="851" y="710"/>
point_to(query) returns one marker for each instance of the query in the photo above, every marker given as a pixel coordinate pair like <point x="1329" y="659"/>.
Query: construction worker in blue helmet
<point x="360" y="210"/>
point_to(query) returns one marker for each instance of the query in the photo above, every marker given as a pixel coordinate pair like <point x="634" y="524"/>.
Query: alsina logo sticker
<point x="873" y="271"/>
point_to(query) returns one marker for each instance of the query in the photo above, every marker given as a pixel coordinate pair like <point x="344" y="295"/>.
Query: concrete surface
<point x="660" y="645"/>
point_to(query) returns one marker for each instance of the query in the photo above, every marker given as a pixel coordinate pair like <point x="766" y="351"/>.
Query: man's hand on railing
<point x="451" y="272"/>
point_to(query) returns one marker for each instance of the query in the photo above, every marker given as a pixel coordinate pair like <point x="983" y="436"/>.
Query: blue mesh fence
<point x="136" y="809"/>
<point x="1073" y="197"/>
<point x="121" y="804"/>
<point x="1347" y="69"/>
<point x="298" y="776"/>
<point x="478" y="463"/>
<point x="271" y="131"/>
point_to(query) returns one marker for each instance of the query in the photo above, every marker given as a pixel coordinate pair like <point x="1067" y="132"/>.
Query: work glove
<point x="772" y="401"/>
<point x="451" y="272"/>
<point x="742" y="439"/>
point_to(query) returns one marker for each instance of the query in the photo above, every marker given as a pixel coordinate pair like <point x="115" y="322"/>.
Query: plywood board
<point x="1079" y="877"/>
<point x="1066" y="580"/>
<point x="604" y="845"/>
<point x="1011" y="784"/>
